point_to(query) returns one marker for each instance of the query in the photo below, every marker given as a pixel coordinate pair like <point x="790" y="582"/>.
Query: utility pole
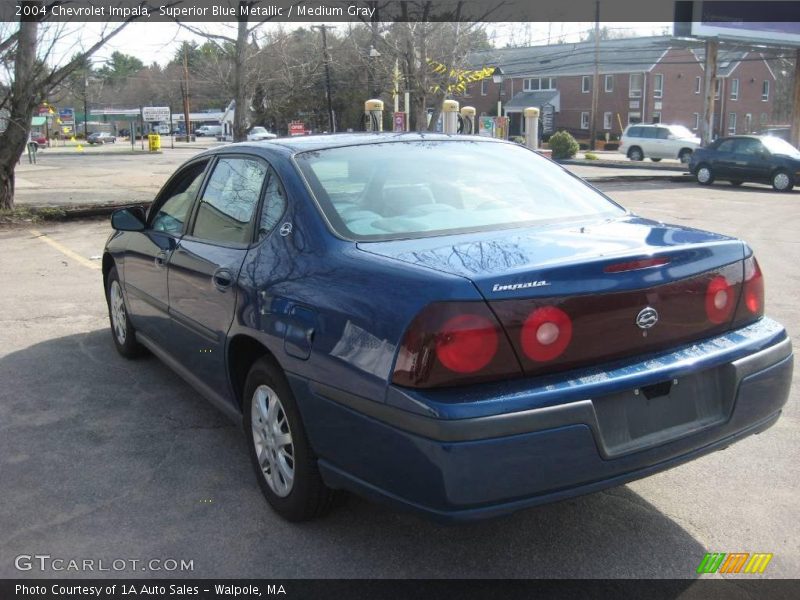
<point x="85" y="105"/>
<point x="795" y="131"/>
<point x="185" y="92"/>
<point x="709" y="86"/>
<point x="327" y="59"/>
<point x="595" y="78"/>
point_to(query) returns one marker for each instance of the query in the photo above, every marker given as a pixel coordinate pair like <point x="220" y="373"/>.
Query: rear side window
<point x="662" y="133"/>
<point x="748" y="146"/>
<point x="173" y="209"/>
<point x="635" y="132"/>
<point x="229" y="200"/>
<point x="274" y="205"/>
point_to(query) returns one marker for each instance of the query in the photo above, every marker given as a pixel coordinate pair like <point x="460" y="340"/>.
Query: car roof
<point x="307" y="143"/>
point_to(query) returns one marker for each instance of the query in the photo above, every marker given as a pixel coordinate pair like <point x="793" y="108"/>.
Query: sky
<point x="157" y="42"/>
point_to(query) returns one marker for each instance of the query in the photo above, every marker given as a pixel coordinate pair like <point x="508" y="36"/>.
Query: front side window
<point x="173" y="208"/>
<point x="727" y="146"/>
<point x="229" y="200"/>
<point x="749" y="146"/>
<point x="401" y="190"/>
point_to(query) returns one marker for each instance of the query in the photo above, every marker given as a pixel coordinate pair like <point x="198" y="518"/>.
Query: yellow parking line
<point x="65" y="251"/>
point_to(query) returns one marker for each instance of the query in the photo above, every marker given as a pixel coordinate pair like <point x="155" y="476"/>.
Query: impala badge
<point x="647" y="317"/>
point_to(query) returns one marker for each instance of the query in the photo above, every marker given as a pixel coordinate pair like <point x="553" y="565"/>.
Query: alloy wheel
<point x="118" y="317"/>
<point x="272" y="438"/>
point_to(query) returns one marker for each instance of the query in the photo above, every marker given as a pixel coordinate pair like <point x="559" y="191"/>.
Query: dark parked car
<point x="740" y="158"/>
<point x="101" y="138"/>
<point x="454" y="325"/>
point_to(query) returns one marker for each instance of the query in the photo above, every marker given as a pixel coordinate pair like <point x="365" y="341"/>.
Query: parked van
<point x="208" y="130"/>
<point x="658" y="141"/>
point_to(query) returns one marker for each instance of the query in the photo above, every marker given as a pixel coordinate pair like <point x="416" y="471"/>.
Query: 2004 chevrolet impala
<point x="452" y="324"/>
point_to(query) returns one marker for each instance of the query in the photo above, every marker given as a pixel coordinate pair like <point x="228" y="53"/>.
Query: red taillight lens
<point x="451" y="343"/>
<point x="546" y="333"/>
<point x="753" y="287"/>
<point x="466" y="343"/>
<point x="720" y="300"/>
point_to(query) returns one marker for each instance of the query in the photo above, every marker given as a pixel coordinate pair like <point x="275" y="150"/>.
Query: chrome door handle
<point x="160" y="259"/>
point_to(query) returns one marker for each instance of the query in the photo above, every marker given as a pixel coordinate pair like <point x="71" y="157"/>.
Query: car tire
<point x="782" y="181"/>
<point x="285" y="464"/>
<point x="636" y="153"/>
<point x="122" y="331"/>
<point x="736" y="182"/>
<point x="655" y="159"/>
<point x="704" y="174"/>
<point x="685" y="156"/>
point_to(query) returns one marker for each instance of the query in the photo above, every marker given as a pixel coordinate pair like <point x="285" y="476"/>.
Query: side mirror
<point x="128" y="219"/>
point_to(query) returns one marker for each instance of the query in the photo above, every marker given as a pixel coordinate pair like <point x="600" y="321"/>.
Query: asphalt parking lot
<point x="101" y="458"/>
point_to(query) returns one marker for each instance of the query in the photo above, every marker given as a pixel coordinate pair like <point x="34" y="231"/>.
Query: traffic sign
<point x="155" y="113"/>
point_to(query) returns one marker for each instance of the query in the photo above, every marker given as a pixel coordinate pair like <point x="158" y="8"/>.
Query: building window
<point x="536" y="84"/>
<point x="634" y="117"/>
<point x="765" y="91"/>
<point x="468" y="92"/>
<point x="503" y="88"/>
<point x="698" y="83"/>
<point x="658" y="85"/>
<point x="696" y="125"/>
<point x="748" y="123"/>
<point x="635" y="89"/>
<point x="609" y="83"/>
<point x="716" y="88"/>
<point x="732" y="123"/>
<point x="586" y="84"/>
<point x="734" y="89"/>
<point x="607" y="117"/>
<point x="656" y="116"/>
<point x="584" y="120"/>
<point x="484" y="87"/>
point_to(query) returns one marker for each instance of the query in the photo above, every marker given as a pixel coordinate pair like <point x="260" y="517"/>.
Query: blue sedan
<point x="453" y="325"/>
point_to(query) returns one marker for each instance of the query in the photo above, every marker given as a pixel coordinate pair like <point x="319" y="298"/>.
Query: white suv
<point x="658" y="141"/>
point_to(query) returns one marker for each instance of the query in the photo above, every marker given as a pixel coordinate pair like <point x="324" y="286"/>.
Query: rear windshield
<point x="399" y="190"/>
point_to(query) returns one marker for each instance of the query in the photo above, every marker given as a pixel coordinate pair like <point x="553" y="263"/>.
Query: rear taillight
<point x="451" y="343"/>
<point x="751" y="307"/>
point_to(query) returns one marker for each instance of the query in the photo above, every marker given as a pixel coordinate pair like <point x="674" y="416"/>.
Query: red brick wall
<point x="679" y="101"/>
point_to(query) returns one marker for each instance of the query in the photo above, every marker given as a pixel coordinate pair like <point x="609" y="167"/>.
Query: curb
<point x="651" y="166"/>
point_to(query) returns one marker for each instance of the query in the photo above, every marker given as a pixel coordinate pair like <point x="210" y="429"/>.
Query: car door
<point x="751" y="160"/>
<point x="204" y="268"/>
<point x="659" y="142"/>
<point x="724" y="159"/>
<point x="148" y="252"/>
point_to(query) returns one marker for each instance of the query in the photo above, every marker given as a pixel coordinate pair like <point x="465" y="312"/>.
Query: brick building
<point x="648" y="79"/>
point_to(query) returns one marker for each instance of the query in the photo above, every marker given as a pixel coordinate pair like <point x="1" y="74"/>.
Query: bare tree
<point x="239" y="50"/>
<point x="33" y="70"/>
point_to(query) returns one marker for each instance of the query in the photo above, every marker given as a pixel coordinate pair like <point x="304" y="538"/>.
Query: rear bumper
<point x="556" y="445"/>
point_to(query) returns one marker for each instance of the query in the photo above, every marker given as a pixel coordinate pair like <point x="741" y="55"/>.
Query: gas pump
<point x="531" y="115"/>
<point x="373" y="115"/>
<point x="450" y="117"/>
<point x="467" y="122"/>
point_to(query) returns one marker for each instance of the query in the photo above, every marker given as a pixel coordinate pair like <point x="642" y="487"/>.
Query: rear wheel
<point x="636" y="153"/>
<point x="122" y="331"/>
<point x="782" y="181"/>
<point x="285" y="464"/>
<point x="704" y="176"/>
<point x="685" y="155"/>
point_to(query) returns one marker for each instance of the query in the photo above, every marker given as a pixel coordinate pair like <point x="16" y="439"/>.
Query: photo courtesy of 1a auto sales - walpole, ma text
<point x="399" y="299"/>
